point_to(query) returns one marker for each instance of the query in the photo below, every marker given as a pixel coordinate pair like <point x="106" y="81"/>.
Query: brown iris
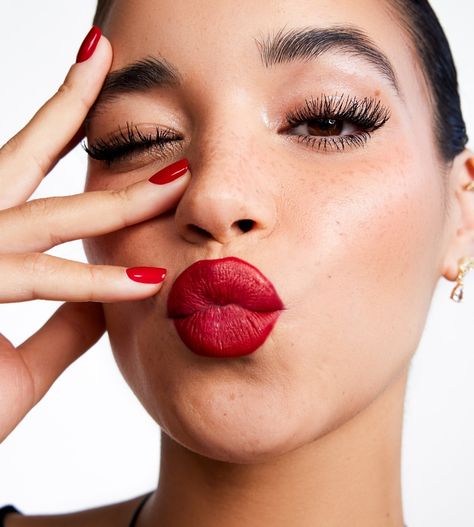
<point x="325" y="127"/>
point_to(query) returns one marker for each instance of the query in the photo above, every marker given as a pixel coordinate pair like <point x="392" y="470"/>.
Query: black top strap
<point x="137" y="510"/>
<point x="8" y="509"/>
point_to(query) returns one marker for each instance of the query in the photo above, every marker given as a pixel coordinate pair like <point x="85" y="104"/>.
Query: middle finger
<point x="40" y="224"/>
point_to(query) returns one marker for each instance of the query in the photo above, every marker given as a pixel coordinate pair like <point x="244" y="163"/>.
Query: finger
<point x="43" y="276"/>
<point x="15" y="387"/>
<point x="30" y="154"/>
<point x="70" y="332"/>
<point x="40" y="224"/>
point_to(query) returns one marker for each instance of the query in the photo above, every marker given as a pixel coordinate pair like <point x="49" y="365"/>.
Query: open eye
<point x="325" y="127"/>
<point x="336" y="122"/>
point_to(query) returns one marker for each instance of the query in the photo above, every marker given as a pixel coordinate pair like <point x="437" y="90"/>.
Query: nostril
<point x="245" y="225"/>
<point x="242" y="225"/>
<point x="200" y="231"/>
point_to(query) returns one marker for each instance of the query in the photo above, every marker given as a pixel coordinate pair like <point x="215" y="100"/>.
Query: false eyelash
<point x="126" y="142"/>
<point x="367" y="114"/>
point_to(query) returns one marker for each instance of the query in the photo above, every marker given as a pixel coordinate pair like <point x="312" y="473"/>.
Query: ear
<point x="461" y="230"/>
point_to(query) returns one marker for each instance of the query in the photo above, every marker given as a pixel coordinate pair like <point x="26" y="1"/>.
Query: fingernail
<point x="89" y="44"/>
<point x="170" y="173"/>
<point x="147" y="275"/>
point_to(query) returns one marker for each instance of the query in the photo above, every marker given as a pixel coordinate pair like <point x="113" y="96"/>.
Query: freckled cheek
<point x="140" y="244"/>
<point x="373" y="219"/>
<point x="392" y="233"/>
<point x="367" y="251"/>
<point x="368" y="246"/>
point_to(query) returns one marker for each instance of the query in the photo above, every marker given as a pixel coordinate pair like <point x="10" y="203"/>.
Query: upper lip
<point x="230" y="280"/>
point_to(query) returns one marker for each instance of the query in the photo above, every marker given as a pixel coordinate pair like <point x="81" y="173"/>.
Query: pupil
<point x="326" y="126"/>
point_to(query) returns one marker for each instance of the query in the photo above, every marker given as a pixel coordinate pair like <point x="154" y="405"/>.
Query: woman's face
<point x="348" y="224"/>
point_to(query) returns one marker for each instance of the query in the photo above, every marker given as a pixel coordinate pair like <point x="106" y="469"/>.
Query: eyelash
<point x="125" y="143"/>
<point x="367" y="114"/>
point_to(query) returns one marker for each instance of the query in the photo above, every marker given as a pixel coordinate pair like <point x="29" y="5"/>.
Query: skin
<point x="307" y="430"/>
<point x="248" y="440"/>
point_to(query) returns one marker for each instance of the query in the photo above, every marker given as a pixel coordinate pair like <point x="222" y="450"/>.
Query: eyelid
<point x="367" y="113"/>
<point x="121" y="144"/>
<point x="131" y="129"/>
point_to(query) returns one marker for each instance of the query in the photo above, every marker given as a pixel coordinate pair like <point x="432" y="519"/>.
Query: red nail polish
<point x="170" y="173"/>
<point x="147" y="275"/>
<point x="89" y="44"/>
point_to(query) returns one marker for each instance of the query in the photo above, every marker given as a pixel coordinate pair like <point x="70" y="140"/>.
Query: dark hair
<point x="101" y="12"/>
<point x="432" y="47"/>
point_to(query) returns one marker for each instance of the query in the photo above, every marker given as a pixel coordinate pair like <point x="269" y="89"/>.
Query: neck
<point x="349" y="476"/>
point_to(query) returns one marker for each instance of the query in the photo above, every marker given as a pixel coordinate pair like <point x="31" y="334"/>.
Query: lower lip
<point x="225" y="331"/>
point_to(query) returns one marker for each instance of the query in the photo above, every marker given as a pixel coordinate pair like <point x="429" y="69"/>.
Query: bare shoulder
<point x="116" y="515"/>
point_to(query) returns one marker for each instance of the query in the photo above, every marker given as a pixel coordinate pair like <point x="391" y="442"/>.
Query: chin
<point x="236" y="424"/>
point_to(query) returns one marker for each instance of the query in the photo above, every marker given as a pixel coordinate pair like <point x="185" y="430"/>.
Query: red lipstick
<point x="223" y="308"/>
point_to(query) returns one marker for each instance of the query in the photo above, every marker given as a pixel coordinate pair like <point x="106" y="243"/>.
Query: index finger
<point x="28" y="156"/>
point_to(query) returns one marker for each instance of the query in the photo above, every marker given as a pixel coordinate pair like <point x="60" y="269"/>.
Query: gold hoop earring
<point x="465" y="265"/>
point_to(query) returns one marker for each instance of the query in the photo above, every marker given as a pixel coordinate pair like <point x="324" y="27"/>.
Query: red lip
<point x="224" y="307"/>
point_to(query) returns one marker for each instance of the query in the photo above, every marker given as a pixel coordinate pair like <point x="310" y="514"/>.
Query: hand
<point x="27" y="228"/>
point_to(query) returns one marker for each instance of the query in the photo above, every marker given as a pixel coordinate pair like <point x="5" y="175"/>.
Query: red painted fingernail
<point x="89" y="44"/>
<point x="147" y="275"/>
<point x="170" y="173"/>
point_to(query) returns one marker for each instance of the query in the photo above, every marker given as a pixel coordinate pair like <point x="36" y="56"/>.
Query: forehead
<point x="210" y="33"/>
<point x="213" y="45"/>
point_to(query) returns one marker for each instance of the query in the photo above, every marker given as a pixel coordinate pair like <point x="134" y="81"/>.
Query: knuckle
<point x="37" y="266"/>
<point x="54" y="239"/>
<point x="43" y="162"/>
<point x="124" y="203"/>
<point x="68" y="91"/>
<point x="35" y="263"/>
<point x="15" y="147"/>
<point x="10" y="147"/>
<point x="97" y="276"/>
<point x="35" y="211"/>
<point x="49" y="214"/>
<point x="65" y="90"/>
<point x="31" y="265"/>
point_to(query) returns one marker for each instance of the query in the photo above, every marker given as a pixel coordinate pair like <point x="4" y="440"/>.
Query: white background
<point x="89" y="441"/>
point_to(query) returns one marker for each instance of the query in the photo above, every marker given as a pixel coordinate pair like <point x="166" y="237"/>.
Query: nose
<point x="229" y="199"/>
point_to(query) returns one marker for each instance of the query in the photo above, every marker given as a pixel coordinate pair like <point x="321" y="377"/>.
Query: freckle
<point x="232" y="396"/>
<point x="329" y="276"/>
<point x="377" y="93"/>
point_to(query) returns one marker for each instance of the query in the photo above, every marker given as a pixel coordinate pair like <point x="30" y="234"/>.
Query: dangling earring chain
<point x="465" y="265"/>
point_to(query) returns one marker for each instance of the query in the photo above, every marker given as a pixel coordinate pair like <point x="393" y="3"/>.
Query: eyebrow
<point x="309" y="43"/>
<point x="141" y="76"/>
<point x="300" y="44"/>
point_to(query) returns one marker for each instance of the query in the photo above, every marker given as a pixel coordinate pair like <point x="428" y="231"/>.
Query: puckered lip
<point x="209" y="283"/>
